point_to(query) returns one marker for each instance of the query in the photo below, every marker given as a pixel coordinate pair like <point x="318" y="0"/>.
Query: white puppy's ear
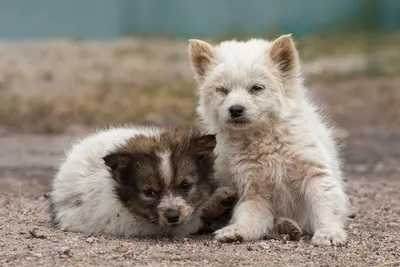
<point x="283" y="54"/>
<point x="202" y="56"/>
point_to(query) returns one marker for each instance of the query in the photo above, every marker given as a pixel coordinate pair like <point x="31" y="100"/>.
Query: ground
<point x="65" y="96"/>
<point x="27" y="238"/>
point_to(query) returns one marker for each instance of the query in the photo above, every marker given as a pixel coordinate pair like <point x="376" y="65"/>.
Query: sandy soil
<point x="27" y="239"/>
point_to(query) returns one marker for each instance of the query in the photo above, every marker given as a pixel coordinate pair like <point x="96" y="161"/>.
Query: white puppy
<point x="271" y="140"/>
<point x="138" y="181"/>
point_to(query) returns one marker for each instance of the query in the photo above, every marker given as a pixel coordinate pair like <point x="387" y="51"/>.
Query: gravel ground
<point x="27" y="238"/>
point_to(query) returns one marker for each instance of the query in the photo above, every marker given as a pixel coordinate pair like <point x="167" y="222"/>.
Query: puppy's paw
<point x="235" y="232"/>
<point x="286" y="226"/>
<point x="231" y="233"/>
<point x="329" y="236"/>
<point x="226" y="196"/>
<point x="223" y="199"/>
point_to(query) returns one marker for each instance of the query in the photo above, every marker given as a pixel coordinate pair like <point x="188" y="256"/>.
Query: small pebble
<point x="352" y="216"/>
<point x="285" y="239"/>
<point x="65" y="252"/>
<point x="35" y="233"/>
<point x="91" y="239"/>
<point x="263" y="245"/>
<point x="128" y="245"/>
<point x="4" y="202"/>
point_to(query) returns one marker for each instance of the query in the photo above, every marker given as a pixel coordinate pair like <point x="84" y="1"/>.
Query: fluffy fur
<point x="138" y="181"/>
<point x="272" y="141"/>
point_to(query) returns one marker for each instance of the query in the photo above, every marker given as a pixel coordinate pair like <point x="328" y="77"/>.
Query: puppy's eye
<point x="257" y="88"/>
<point x="185" y="186"/>
<point x="222" y="90"/>
<point x="150" y="193"/>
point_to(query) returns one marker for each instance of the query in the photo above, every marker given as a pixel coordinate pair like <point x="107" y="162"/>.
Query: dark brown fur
<point x="135" y="167"/>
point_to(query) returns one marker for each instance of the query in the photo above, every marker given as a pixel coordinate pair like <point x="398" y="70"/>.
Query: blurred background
<point x="66" y="65"/>
<point x="70" y="66"/>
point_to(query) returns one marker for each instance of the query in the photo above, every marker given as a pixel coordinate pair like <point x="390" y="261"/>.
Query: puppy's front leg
<point x="328" y="205"/>
<point x="252" y="218"/>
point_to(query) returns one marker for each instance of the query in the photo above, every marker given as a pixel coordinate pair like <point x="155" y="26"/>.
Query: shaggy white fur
<point x="272" y="141"/>
<point x="84" y="175"/>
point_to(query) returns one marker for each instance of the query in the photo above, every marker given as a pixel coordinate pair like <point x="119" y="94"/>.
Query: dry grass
<point x="109" y="104"/>
<point x="345" y="43"/>
<point x="361" y="103"/>
<point x="52" y="86"/>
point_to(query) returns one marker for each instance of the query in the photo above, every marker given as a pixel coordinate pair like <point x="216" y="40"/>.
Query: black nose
<point x="236" y="111"/>
<point x="172" y="215"/>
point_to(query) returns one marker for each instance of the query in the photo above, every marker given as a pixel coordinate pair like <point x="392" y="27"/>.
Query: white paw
<point x="233" y="233"/>
<point x="229" y="233"/>
<point x="329" y="236"/>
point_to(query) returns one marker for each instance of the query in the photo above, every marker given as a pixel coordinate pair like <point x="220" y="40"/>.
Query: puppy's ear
<point x="204" y="145"/>
<point x="202" y="56"/>
<point x="284" y="55"/>
<point x="203" y="149"/>
<point x="117" y="162"/>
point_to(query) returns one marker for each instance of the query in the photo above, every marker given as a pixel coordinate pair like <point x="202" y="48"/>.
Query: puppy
<point x="138" y="181"/>
<point x="272" y="141"/>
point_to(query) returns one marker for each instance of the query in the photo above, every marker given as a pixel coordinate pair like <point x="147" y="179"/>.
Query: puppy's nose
<point x="172" y="215"/>
<point x="236" y="111"/>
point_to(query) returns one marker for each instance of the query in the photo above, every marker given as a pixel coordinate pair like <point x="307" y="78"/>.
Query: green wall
<point x="23" y="19"/>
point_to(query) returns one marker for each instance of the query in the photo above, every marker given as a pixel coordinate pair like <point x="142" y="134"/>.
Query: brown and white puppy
<point x="138" y="181"/>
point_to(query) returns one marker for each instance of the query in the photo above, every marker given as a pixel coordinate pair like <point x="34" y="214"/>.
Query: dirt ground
<point x="27" y="239"/>
<point x="366" y="109"/>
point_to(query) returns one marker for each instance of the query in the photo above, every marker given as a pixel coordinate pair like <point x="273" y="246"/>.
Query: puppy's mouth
<point x="165" y="224"/>
<point x="175" y="225"/>
<point x="171" y="225"/>
<point x="241" y="121"/>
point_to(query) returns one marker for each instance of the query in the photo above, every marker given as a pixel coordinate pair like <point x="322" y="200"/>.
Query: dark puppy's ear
<point x="117" y="162"/>
<point x="204" y="145"/>
<point x="203" y="153"/>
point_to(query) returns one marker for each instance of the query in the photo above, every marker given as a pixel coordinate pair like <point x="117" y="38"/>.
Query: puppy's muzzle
<point x="237" y="115"/>
<point x="236" y="111"/>
<point x="172" y="216"/>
